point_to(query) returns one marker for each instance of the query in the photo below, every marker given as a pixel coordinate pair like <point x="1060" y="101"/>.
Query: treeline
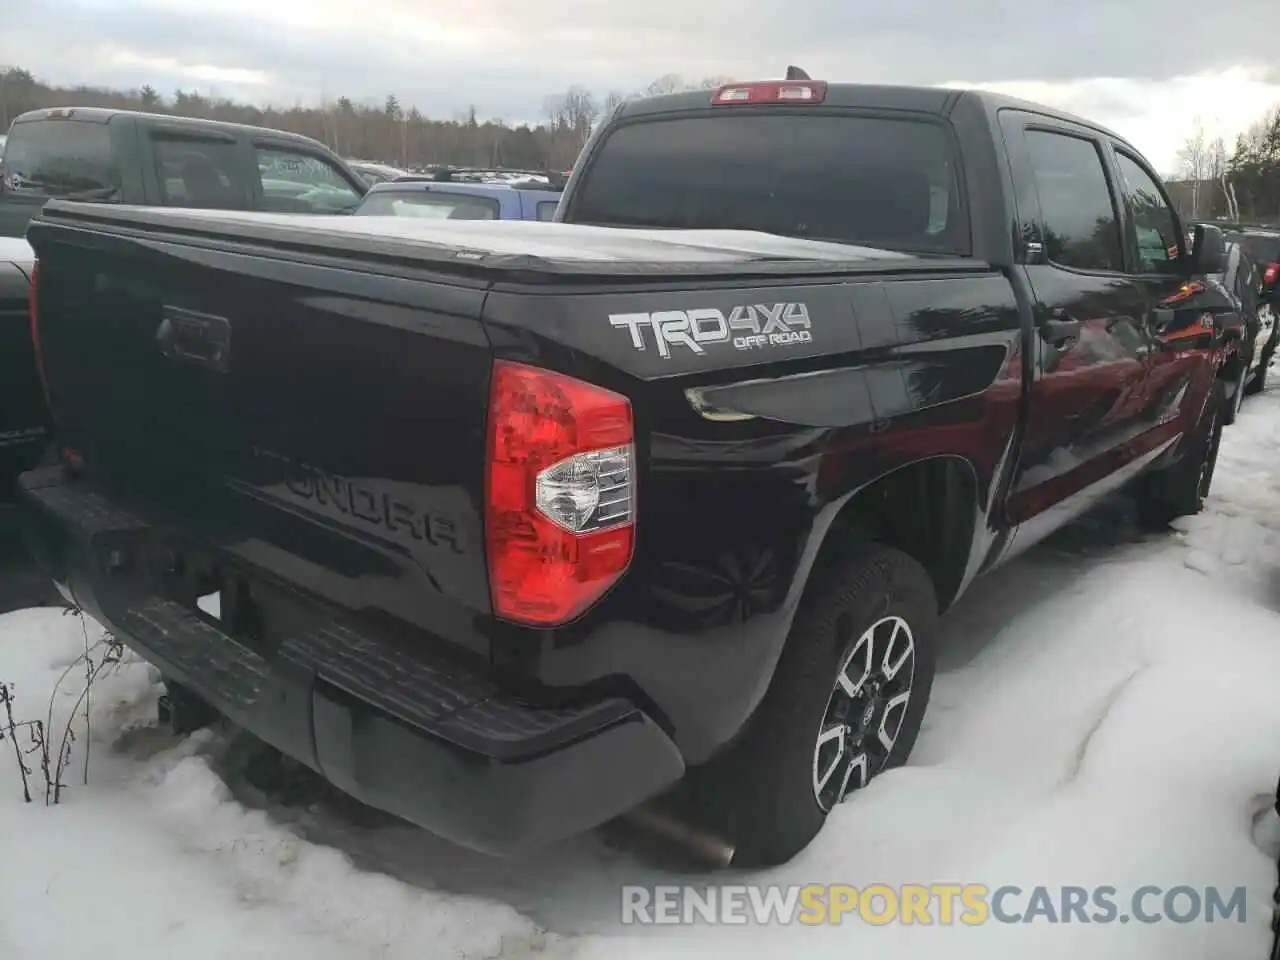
<point x="1239" y="184"/>
<point x="388" y="131"/>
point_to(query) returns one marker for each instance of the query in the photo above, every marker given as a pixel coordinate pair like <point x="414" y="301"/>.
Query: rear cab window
<point x="61" y="157"/>
<point x="198" y="172"/>
<point x="862" y="180"/>
<point x="430" y="205"/>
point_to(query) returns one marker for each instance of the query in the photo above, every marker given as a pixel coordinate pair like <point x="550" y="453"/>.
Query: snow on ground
<point x="1107" y="713"/>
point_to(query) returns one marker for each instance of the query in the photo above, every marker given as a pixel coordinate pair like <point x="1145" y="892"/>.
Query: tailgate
<point x="321" y="425"/>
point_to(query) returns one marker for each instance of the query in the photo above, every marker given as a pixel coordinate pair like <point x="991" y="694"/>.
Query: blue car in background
<point x="448" y="199"/>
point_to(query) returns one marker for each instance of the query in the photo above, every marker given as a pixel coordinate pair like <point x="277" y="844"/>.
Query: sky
<point x="1144" y="68"/>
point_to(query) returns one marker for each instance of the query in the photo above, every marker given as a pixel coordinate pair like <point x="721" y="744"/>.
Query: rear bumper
<point x="416" y="736"/>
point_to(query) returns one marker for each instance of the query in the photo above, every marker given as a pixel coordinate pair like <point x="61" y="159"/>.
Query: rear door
<point x="195" y="168"/>
<point x="1088" y="414"/>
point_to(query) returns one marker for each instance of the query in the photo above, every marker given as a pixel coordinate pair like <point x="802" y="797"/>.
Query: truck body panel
<point x="295" y="413"/>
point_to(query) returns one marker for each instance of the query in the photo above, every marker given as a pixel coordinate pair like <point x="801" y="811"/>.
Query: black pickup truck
<point x="122" y="156"/>
<point x="515" y="526"/>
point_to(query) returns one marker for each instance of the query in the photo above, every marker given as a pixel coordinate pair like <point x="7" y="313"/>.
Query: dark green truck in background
<point x="154" y="160"/>
<point x="139" y="159"/>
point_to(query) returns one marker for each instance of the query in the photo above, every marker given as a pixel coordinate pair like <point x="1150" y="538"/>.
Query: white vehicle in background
<point x="376" y="172"/>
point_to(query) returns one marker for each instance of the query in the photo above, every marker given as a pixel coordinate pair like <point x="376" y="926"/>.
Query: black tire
<point x="1239" y="390"/>
<point x="759" y="794"/>
<point x="1181" y="489"/>
<point x="1259" y="381"/>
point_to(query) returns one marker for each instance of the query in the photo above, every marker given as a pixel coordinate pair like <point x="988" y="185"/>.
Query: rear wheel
<point x="1181" y="489"/>
<point x="845" y="704"/>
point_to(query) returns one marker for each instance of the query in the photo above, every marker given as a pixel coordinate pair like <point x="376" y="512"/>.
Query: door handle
<point x="1060" y="330"/>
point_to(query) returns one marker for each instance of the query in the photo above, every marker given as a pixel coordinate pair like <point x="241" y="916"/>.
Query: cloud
<point x="1119" y="63"/>
<point x="1158" y="117"/>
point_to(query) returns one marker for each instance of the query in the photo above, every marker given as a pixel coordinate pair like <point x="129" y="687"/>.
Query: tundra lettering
<point x="349" y="497"/>
<point x="342" y="496"/>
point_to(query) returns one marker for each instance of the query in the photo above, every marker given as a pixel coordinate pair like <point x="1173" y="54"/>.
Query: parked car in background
<point x="511" y="177"/>
<point x="1251" y="279"/>
<point x="376" y="172"/>
<point x="516" y="526"/>
<point x="432" y="198"/>
<point x="24" y="415"/>
<point x="122" y="156"/>
<point x="1242" y="283"/>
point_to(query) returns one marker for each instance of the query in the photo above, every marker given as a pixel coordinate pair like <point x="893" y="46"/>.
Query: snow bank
<point x="1107" y="713"/>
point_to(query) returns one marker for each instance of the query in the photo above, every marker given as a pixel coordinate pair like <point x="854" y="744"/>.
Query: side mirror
<point x="1208" y="250"/>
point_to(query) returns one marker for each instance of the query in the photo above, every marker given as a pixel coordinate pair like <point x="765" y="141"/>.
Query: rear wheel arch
<point x="929" y="509"/>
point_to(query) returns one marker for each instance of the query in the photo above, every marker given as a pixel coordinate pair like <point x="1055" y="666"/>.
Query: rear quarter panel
<point x="731" y="514"/>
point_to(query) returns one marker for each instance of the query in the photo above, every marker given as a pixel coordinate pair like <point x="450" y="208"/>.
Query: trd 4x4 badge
<point x="746" y="327"/>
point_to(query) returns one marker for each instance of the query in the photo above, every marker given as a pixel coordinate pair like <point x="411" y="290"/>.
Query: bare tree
<point x="1216" y="170"/>
<point x="571" y="116"/>
<point x="1193" y="159"/>
<point x="612" y="100"/>
<point x="667" y="83"/>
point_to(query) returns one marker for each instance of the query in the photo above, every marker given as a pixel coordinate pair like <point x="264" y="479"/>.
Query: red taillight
<point x="772" y="91"/>
<point x="560" y="499"/>
<point x="33" y="317"/>
<point x="1271" y="274"/>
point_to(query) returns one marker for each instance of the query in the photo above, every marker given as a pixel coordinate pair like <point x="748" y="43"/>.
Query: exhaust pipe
<point x="708" y="847"/>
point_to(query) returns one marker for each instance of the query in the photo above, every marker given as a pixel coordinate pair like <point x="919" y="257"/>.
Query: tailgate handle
<point x="195" y="338"/>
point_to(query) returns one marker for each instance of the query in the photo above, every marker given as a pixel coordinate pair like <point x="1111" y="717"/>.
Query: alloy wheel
<point x="865" y="712"/>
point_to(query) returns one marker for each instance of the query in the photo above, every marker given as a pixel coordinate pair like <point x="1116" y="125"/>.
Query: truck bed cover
<point x="526" y="247"/>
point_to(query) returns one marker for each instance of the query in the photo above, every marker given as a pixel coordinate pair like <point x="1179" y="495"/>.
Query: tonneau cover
<point x="514" y="245"/>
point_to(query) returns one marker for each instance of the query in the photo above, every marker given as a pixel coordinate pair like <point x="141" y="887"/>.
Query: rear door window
<point x="295" y="181"/>
<point x="871" y="181"/>
<point x="1078" y="216"/>
<point x="430" y="205"/>
<point x="61" y="158"/>
<point x="547" y="210"/>
<point x="198" y="173"/>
